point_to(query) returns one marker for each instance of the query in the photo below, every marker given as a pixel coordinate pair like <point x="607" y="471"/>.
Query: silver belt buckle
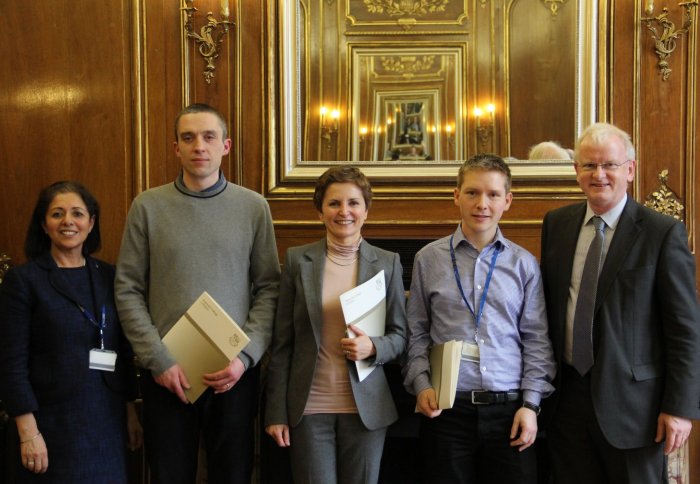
<point x="474" y="392"/>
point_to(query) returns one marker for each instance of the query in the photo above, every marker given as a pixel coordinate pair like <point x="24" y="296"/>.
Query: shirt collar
<point x="611" y="217"/>
<point x="499" y="240"/>
<point x="209" y="192"/>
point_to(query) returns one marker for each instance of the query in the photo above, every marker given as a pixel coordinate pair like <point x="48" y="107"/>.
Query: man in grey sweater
<point x="197" y="234"/>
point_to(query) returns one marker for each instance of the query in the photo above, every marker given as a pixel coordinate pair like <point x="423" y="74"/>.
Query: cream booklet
<point x="204" y="340"/>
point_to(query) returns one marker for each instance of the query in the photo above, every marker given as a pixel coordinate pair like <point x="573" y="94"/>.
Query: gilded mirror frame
<point x="288" y="174"/>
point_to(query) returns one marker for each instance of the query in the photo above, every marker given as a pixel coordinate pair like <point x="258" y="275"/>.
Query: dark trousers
<point x="225" y="423"/>
<point x="579" y="451"/>
<point x="471" y="444"/>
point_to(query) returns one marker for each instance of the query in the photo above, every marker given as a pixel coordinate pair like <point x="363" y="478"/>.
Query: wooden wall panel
<point x="90" y="91"/>
<point x="65" y="110"/>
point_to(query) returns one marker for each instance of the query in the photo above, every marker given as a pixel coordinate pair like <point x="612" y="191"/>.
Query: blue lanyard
<point x="477" y="317"/>
<point x="101" y="325"/>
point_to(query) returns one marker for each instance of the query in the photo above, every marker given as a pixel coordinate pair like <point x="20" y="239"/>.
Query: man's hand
<point x="174" y="379"/>
<point x="426" y="403"/>
<point x="358" y="348"/>
<point x="675" y="430"/>
<point x="280" y="433"/>
<point x="524" y="423"/>
<point x="223" y="380"/>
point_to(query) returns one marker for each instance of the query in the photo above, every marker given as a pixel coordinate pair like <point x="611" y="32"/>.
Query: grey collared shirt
<point x="515" y="350"/>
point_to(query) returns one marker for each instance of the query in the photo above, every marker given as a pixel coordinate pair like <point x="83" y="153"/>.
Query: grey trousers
<point x="335" y="449"/>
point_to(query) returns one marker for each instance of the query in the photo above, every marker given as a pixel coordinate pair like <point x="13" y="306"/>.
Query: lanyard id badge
<point x="103" y="360"/>
<point x="470" y="350"/>
<point x="100" y="358"/>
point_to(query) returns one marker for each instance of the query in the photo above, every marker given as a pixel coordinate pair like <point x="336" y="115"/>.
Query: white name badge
<point x="470" y="351"/>
<point x="104" y="360"/>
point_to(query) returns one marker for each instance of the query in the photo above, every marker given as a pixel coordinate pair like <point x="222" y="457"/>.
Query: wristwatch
<point x="533" y="407"/>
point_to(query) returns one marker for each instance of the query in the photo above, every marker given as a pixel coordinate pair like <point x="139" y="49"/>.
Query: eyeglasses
<point x="608" y="166"/>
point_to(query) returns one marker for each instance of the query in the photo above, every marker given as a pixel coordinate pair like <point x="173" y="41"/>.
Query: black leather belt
<point x="485" y="397"/>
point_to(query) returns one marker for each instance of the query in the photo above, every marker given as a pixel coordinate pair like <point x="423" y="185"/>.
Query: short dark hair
<point x="485" y="162"/>
<point x="202" y="108"/>
<point x="341" y="174"/>
<point x="37" y="241"/>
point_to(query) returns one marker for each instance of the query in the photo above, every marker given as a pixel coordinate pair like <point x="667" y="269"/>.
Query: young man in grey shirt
<point x="200" y="233"/>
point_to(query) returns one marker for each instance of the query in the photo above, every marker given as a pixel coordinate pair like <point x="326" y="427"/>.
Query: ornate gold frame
<point x="288" y="173"/>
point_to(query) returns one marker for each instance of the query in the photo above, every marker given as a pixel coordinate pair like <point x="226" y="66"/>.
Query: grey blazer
<point x="297" y="336"/>
<point x="646" y="322"/>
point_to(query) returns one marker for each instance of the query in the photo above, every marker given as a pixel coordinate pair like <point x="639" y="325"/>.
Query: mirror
<point x="407" y="94"/>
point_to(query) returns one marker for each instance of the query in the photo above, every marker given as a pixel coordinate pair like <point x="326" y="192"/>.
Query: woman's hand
<point x="133" y="427"/>
<point x="280" y="434"/>
<point x="32" y="448"/>
<point x="358" y="348"/>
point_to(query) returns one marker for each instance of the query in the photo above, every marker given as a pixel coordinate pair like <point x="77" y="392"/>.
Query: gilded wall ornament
<point x="408" y="65"/>
<point x="4" y="265"/>
<point x="663" y="199"/>
<point x="406" y="7"/>
<point x="553" y="5"/>
<point x="665" y="40"/>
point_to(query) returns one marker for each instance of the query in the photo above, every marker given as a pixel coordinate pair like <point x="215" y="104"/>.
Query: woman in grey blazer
<point x="333" y="423"/>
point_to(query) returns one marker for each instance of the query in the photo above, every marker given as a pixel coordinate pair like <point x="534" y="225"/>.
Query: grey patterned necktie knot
<point x="582" y="350"/>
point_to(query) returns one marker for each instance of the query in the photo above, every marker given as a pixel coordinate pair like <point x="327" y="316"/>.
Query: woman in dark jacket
<point x="65" y="367"/>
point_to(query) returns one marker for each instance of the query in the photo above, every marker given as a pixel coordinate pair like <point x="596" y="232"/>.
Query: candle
<point x="477" y="114"/>
<point x="224" y="8"/>
<point x="491" y="108"/>
<point x="649" y="7"/>
<point x="323" y="112"/>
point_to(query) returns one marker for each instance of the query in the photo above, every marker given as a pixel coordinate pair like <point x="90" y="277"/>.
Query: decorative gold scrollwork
<point x="665" y="42"/>
<point x="406" y="7"/>
<point x="553" y="5"/>
<point x="408" y="65"/>
<point x="209" y="37"/>
<point x="664" y="200"/>
<point x="4" y="265"/>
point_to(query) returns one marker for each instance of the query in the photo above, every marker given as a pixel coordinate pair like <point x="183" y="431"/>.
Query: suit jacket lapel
<point x="56" y="279"/>
<point x="59" y="282"/>
<point x="311" y="268"/>
<point x="367" y="263"/>
<point x="625" y="236"/>
<point x="568" y="239"/>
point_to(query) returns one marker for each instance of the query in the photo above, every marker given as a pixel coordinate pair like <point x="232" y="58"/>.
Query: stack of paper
<point x="364" y="306"/>
<point x="444" y="371"/>
<point x="204" y="340"/>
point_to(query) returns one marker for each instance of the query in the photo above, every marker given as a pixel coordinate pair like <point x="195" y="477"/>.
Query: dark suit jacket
<point x="45" y="340"/>
<point x="297" y="336"/>
<point x="646" y="321"/>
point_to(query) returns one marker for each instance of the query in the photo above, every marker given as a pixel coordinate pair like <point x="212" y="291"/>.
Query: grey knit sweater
<point x="178" y="243"/>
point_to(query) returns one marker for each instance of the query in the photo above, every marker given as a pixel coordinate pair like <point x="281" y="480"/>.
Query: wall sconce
<point x="363" y="134"/>
<point x="449" y="134"/>
<point x="211" y="35"/>
<point x="484" y="130"/>
<point x="665" y="43"/>
<point x="329" y="128"/>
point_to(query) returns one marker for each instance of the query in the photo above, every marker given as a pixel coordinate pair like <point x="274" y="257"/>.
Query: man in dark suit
<point x="626" y="389"/>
